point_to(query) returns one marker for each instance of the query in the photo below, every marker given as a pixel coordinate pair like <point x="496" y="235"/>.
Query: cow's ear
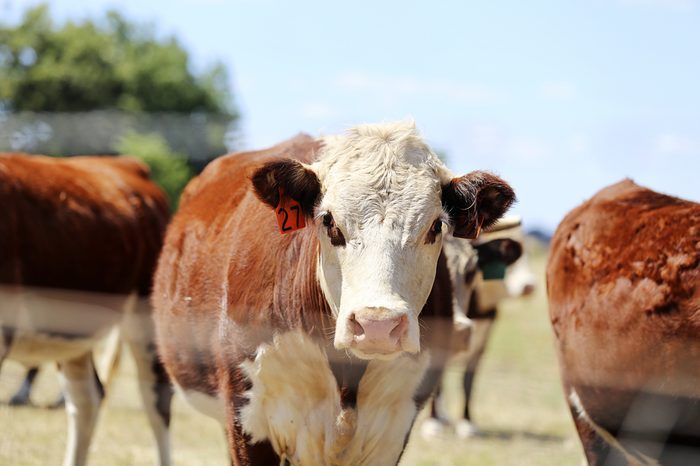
<point x="510" y="250"/>
<point x="505" y="250"/>
<point x="290" y="177"/>
<point x="475" y="201"/>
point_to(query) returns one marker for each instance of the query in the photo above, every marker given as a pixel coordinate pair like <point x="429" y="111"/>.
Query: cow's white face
<point x="379" y="221"/>
<point x="382" y="200"/>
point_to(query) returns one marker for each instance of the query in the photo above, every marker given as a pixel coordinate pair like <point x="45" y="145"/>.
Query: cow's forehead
<point x="382" y="152"/>
<point x="381" y="170"/>
<point x="405" y="205"/>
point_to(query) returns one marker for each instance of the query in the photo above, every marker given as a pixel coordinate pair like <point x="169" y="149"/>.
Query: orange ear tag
<point x="290" y="217"/>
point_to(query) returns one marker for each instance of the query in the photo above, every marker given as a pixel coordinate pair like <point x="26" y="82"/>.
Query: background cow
<point x="80" y="239"/>
<point x="623" y="281"/>
<point x="245" y="314"/>
<point x="478" y="271"/>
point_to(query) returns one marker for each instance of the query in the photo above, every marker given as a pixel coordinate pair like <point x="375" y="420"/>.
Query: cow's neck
<point x="298" y="291"/>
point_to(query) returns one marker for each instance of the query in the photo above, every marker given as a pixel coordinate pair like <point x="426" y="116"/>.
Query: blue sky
<point x="560" y="98"/>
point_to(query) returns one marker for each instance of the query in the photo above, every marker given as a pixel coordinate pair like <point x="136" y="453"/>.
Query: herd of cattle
<point x="309" y="297"/>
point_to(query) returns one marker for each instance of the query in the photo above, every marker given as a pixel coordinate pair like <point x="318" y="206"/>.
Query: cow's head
<point x="497" y="259"/>
<point x="519" y="279"/>
<point x="379" y="199"/>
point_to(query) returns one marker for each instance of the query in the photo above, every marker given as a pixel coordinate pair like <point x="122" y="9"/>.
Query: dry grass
<point x="518" y="403"/>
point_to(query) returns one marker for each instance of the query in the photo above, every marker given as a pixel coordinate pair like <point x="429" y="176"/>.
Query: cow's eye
<point x="435" y="230"/>
<point x="334" y="233"/>
<point x="328" y="220"/>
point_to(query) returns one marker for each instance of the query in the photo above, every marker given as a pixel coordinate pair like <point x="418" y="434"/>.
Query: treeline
<point x="109" y="85"/>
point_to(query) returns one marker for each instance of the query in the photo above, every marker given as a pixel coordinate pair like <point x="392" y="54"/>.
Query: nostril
<point x="355" y="326"/>
<point x="398" y="331"/>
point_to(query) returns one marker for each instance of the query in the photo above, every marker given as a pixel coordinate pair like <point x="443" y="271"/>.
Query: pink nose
<point x="528" y="289"/>
<point x="376" y="334"/>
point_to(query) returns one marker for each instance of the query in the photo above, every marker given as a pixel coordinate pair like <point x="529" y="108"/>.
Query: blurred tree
<point x="106" y="64"/>
<point x="141" y="94"/>
<point x="168" y="169"/>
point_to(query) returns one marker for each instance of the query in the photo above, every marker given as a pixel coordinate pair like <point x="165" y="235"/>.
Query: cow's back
<point x="82" y="223"/>
<point x="622" y="281"/>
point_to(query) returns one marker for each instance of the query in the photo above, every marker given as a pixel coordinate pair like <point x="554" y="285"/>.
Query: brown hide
<point x="224" y="244"/>
<point x="623" y="283"/>
<point x="82" y="223"/>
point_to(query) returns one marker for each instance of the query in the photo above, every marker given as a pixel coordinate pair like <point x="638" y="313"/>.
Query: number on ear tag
<point x="290" y="217"/>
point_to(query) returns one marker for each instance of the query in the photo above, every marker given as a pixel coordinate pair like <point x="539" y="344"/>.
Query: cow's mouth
<point x="380" y="355"/>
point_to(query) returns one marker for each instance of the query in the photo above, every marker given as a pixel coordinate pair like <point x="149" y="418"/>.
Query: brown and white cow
<point x="623" y="281"/>
<point x="478" y="272"/>
<point x="80" y="240"/>
<point x="246" y="315"/>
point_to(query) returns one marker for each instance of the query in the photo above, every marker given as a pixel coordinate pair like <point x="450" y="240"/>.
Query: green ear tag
<point x="494" y="270"/>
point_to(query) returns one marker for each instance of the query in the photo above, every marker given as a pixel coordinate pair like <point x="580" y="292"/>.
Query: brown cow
<point x="623" y="280"/>
<point x="245" y="314"/>
<point x="80" y="239"/>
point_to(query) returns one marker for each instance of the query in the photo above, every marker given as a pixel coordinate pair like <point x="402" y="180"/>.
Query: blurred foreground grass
<point x="518" y="403"/>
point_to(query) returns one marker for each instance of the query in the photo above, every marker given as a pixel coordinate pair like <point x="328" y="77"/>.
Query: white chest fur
<point x="295" y="404"/>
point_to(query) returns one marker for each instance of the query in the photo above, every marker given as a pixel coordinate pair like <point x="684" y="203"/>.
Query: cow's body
<point x="80" y="238"/>
<point x="623" y="281"/>
<point x="245" y="315"/>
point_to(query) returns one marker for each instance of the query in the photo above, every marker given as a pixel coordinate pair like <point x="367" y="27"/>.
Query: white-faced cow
<point x="80" y="240"/>
<point x="306" y="345"/>
<point x="623" y="281"/>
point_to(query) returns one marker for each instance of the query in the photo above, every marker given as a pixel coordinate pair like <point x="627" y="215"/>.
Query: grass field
<point x="518" y="403"/>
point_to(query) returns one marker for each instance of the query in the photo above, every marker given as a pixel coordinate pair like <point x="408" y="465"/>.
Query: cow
<point x="289" y="286"/>
<point x="80" y="240"/>
<point x="623" y="281"/>
<point x="479" y="275"/>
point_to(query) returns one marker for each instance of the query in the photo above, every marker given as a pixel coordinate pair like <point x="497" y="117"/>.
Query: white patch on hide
<point x="294" y="402"/>
<point x="57" y="325"/>
<point x="385" y="410"/>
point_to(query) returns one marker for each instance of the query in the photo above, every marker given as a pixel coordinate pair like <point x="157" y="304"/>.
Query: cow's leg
<point x="156" y="393"/>
<point x="21" y="397"/>
<point x="138" y="331"/>
<point x="83" y="398"/>
<point x="600" y="447"/>
<point x="7" y="335"/>
<point x="468" y="385"/>
<point x="438" y="423"/>
<point x="477" y="345"/>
